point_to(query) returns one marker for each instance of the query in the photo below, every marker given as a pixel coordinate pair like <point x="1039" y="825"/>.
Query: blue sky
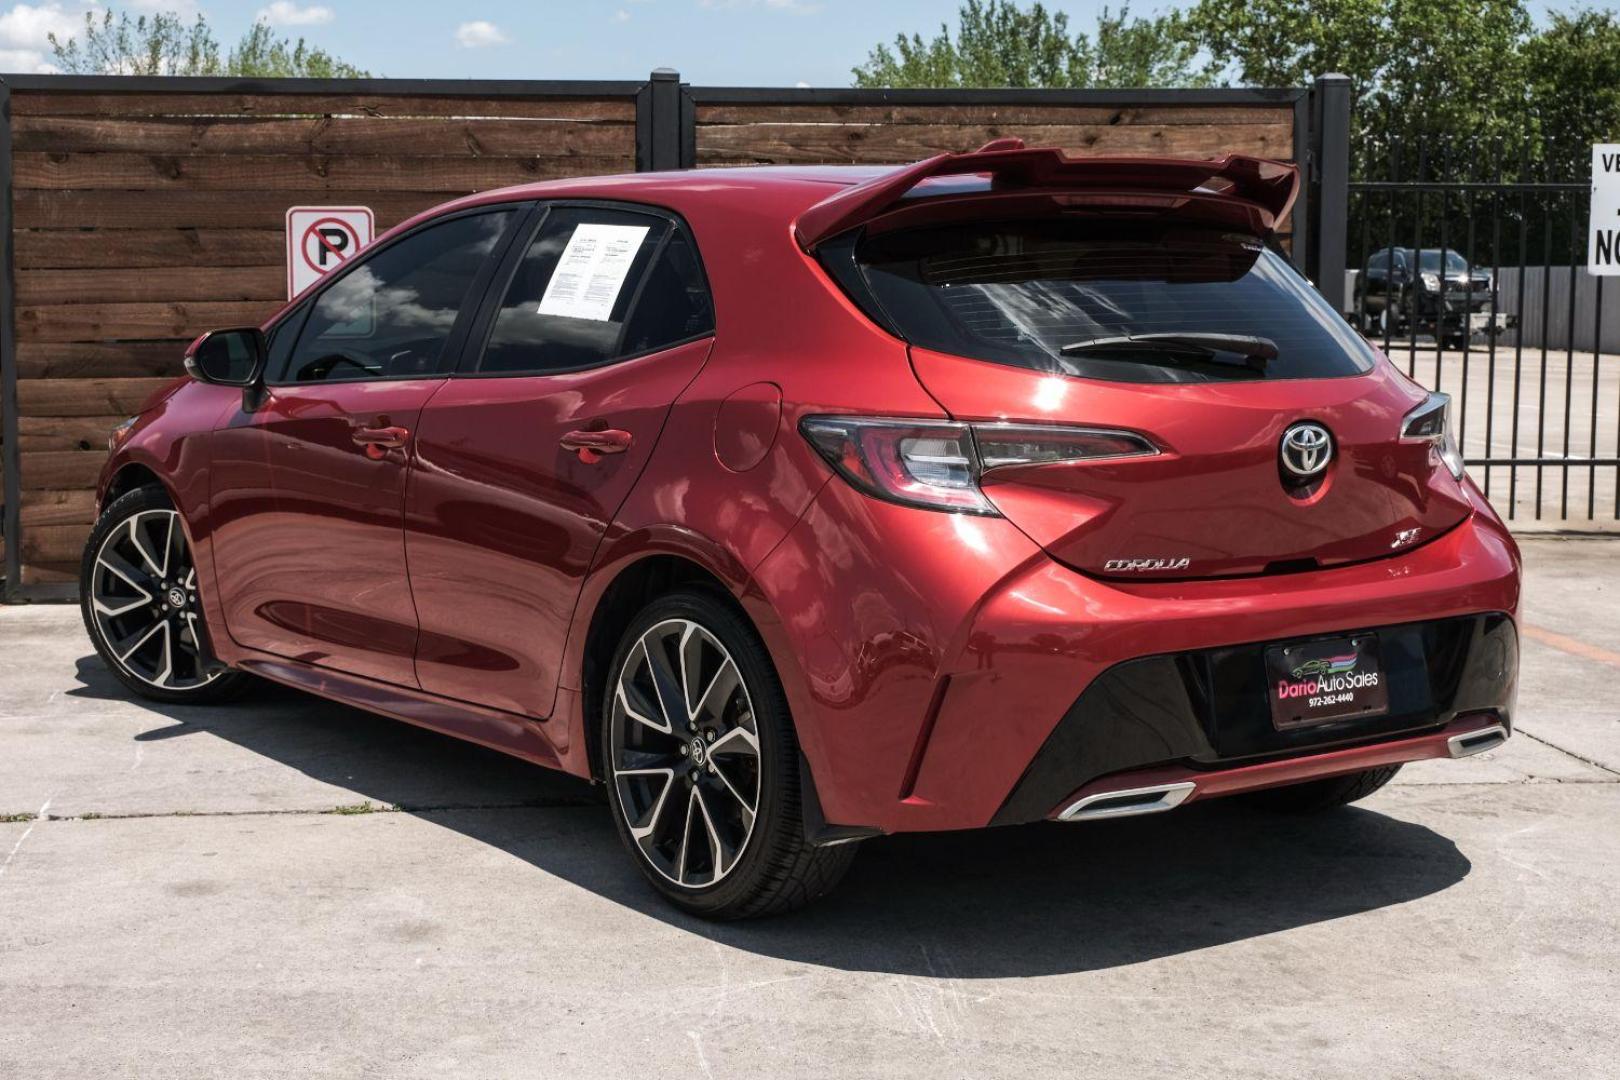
<point x="714" y="42"/>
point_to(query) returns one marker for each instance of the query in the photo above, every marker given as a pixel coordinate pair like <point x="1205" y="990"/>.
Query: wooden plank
<point x="50" y="574"/>
<point x="181" y="319"/>
<point x="446" y="137"/>
<point x="198" y="209"/>
<point x="93" y="248"/>
<point x="84" y="397"/>
<point x="89" y="360"/>
<point x="324" y="174"/>
<point x="815" y="113"/>
<point x="54" y="543"/>
<point x="152" y="283"/>
<point x="62" y="103"/>
<point x="813" y="143"/>
<point x="60" y="470"/>
<point x="65" y="432"/>
<point x="58" y="508"/>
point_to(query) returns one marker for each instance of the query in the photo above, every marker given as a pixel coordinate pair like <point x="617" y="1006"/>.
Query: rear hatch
<point x="1189" y="330"/>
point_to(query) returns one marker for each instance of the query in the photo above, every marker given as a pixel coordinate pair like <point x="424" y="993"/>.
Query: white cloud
<point x="479" y="34"/>
<point x="621" y="16"/>
<point x="287" y="13"/>
<point x="25" y="31"/>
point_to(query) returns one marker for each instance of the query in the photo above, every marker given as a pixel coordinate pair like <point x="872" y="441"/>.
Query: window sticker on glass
<point x="592" y="271"/>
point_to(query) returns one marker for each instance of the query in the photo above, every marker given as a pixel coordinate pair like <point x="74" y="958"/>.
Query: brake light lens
<point x="1430" y="422"/>
<point x="937" y="464"/>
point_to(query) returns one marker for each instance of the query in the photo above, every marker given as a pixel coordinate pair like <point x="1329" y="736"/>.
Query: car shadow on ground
<point x="1033" y="900"/>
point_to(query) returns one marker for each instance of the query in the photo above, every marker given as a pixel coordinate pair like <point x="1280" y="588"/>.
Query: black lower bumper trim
<point x="1209" y="707"/>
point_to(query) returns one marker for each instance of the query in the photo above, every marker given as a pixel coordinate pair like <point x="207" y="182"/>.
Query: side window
<point x="595" y="285"/>
<point x="392" y="315"/>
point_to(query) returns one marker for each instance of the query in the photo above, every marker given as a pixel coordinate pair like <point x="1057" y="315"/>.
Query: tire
<point x="138" y="595"/>
<point x="1315" y="796"/>
<point x="680" y="777"/>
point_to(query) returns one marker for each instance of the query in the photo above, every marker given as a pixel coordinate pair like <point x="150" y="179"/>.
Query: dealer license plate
<point x="1315" y="681"/>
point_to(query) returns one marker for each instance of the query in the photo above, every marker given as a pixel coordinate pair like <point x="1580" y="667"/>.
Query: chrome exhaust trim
<point x="1477" y="742"/>
<point x="1128" y="803"/>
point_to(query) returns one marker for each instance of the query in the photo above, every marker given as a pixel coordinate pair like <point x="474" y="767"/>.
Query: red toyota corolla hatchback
<point x="803" y="505"/>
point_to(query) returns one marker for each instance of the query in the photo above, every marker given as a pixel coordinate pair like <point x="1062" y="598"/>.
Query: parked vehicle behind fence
<point x="1402" y="290"/>
<point x="802" y="506"/>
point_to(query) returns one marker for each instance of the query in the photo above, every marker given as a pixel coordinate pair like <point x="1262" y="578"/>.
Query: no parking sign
<point x="322" y="238"/>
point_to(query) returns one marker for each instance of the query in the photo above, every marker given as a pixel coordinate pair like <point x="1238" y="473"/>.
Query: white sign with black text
<point x="322" y="238"/>
<point x="1603" y="231"/>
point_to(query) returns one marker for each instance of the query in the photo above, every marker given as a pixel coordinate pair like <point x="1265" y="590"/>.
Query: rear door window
<point x="1019" y="292"/>
<point x="597" y="285"/>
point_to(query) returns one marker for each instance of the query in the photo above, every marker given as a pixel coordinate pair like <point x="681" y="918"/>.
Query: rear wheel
<point x="139" y="595"/>
<point x="1314" y="796"/>
<point x="701" y="765"/>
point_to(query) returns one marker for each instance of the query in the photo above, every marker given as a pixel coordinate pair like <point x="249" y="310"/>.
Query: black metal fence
<point x="1467" y="266"/>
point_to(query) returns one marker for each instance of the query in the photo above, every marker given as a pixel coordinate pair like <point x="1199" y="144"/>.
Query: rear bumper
<point x="930" y="660"/>
<point x="1147" y="791"/>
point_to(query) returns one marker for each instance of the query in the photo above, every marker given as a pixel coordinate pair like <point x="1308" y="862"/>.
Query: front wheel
<point x="138" y="593"/>
<point x="701" y="765"/>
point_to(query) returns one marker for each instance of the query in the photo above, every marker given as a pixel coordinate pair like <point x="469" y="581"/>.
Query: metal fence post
<point x="1330" y="154"/>
<point x="11" y="527"/>
<point x="660" y="140"/>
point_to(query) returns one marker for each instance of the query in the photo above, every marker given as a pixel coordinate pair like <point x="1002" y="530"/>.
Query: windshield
<point x="1019" y="292"/>
<point x="1430" y="260"/>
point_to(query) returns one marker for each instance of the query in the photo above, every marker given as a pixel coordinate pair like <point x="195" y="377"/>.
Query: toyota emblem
<point x="1306" y="450"/>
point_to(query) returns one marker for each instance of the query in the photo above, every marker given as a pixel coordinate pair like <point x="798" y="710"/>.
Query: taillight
<point x="937" y="464"/>
<point x="1430" y="422"/>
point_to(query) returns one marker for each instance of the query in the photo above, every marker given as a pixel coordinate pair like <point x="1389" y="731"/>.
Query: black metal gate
<point x="1467" y="266"/>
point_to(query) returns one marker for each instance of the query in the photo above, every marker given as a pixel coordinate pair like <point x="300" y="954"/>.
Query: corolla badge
<point x="1306" y="450"/>
<point x="1138" y="566"/>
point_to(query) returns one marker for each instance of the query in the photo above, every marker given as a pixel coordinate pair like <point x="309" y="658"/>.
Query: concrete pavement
<point x="289" y="888"/>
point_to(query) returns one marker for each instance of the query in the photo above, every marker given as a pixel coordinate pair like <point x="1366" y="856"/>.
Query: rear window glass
<point x="1019" y="292"/>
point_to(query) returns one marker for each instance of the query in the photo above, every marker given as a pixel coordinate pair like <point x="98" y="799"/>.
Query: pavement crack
<point x="1568" y="753"/>
<point x="350" y="810"/>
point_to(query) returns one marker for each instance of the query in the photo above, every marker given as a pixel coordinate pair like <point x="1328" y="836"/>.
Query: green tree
<point x="1425" y="73"/>
<point x="997" y="43"/>
<point x="1573" y="72"/>
<point x="165" y="44"/>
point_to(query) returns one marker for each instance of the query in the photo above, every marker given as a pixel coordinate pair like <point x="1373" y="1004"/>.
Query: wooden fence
<point x="140" y="212"/>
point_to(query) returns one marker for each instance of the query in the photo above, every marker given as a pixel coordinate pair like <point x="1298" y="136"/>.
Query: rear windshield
<point x="1019" y="292"/>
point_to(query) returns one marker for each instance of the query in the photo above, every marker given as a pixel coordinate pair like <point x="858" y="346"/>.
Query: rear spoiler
<point x="1267" y="186"/>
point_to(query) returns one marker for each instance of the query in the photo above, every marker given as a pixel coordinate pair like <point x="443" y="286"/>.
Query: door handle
<point x="378" y="441"/>
<point x="591" y="445"/>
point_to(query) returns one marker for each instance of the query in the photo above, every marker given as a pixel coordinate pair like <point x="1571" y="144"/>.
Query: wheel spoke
<point x="717" y="860"/>
<point x="636" y="714"/>
<point x="168" y="545"/>
<point x="146" y="556"/>
<point x="746" y="806"/>
<point x="645" y="828"/>
<point x="104" y="608"/>
<point x="686" y="836"/>
<point x="666" y="684"/>
<point x="739" y="740"/>
<point x="720" y="688"/>
<point x="139" y="638"/>
<point x="132" y="575"/>
<point x="162" y="678"/>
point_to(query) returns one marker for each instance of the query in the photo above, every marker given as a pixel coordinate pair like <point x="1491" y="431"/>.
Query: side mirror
<point x="228" y="357"/>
